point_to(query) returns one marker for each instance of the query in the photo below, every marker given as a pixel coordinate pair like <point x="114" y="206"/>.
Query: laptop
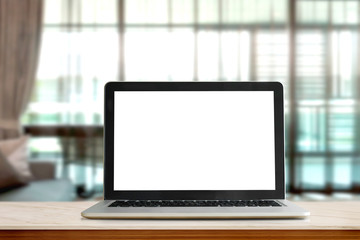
<point x="202" y="150"/>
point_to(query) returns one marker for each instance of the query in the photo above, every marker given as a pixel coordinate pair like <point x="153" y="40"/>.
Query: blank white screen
<point x="216" y="140"/>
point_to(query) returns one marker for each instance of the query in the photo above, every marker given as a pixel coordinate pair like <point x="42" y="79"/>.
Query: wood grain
<point x="62" y="220"/>
<point x="179" y="234"/>
<point x="66" y="215"/>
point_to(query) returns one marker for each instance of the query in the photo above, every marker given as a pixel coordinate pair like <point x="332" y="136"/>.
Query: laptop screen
<point x="194" y="140"/>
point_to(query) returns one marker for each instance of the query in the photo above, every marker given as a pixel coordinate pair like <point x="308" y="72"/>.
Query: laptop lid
<point x="194" y="140"/>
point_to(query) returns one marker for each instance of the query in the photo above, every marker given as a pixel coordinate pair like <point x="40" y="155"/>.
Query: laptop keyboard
<point x="195" y="203"/>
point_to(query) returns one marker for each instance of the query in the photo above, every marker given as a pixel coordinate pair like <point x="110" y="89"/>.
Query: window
<point x="87" y="43"/>
<point x="79" y="54"/>
<point x="327" y="96"/>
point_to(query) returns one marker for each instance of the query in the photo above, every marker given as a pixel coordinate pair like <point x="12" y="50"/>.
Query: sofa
<point x="43" y="187"/>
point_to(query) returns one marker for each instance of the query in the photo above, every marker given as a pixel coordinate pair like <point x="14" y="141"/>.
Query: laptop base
<point x="102" y="211"/>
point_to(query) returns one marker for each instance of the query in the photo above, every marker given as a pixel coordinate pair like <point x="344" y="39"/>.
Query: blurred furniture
<point x="44" y="187"/>
<point x="328" y="220"/>
<point x="81" y="149"/>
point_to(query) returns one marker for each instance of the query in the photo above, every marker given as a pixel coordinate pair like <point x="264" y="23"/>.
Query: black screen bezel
<point x="111" y="194"/>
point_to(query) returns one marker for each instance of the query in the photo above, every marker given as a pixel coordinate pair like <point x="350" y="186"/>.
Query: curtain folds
<point x="20" y="34"/>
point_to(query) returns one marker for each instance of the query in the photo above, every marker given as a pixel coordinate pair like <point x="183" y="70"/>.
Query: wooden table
<point x="62" y="220"/>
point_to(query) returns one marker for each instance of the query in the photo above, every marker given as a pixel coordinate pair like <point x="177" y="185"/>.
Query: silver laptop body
<point x="181" y="150"/>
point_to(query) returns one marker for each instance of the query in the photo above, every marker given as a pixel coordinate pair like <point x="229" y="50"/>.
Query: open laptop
<point x="194" y="150"/>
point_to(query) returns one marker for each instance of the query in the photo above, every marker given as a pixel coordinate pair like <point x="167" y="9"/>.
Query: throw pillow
<point x="8" y="175"/>
<point x="15" y="151"/>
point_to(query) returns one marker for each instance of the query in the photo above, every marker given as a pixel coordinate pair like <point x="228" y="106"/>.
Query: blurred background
<point x="310" y="46"/>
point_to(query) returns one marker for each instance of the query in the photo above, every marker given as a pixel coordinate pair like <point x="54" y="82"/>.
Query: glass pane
<point x="52" y="11"/>
<point x="305" y="11"/>
<point x="164" y="56"/>
<point x="311" y="74"/>
<point x="352" y="12"/>
<point x="342" y="172"/>
<point x="182" y="11"/>
<point x="263" y="11"/>
<point x="311" y="129"/>
<point x="313" y="173"/>
<point x="312" y="11"/>
<point x="80" y="11"/>
<point x="72" y="71"/>
<point x="232" y="11"/>
<point x="355" y="170"/>
<point x="208" y="56"/>
<point x="230" y="56"/>
<point x="148" y="60"/>
<point x="256" y="11"/>
<point x="146" y="11"/>
<point x="338" y="12"/>
<point x="98" y="11"/>
<point x="181" y="55"/>
<point x="341" y="129"/>
<point x="344" y="49"/>
<point x="279" y="11"/>
<point x="345" y="12"/>
<point x="272" y="57"/>
<point x="321" y="11"/>
<point x="208" y="11"/>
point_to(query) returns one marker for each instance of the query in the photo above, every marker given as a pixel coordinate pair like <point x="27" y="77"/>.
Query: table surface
<point x="66" y="215"/>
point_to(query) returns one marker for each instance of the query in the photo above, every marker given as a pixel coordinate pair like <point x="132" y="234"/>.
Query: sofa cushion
<point x="14" y="161"/>
<point x="44" y="190"/>
<point x="8" y="176"/>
